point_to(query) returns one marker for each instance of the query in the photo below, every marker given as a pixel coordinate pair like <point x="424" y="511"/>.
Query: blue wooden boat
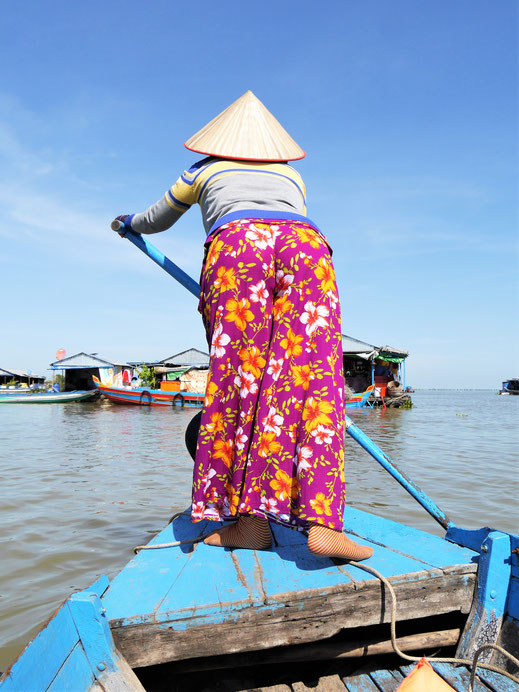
<point x="181" y="610"/>
<point x="48" y="397"/>
<point x="359" y="400"/>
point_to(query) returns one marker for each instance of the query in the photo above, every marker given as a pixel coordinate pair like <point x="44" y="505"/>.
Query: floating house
<point x="366" y="364"/>
<point x="81" y="367"/>
<point x="8" y="376"/>
<point x="185" y="371"/>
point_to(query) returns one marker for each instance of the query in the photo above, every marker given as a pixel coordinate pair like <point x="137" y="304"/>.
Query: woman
<point x="271" y="441"/>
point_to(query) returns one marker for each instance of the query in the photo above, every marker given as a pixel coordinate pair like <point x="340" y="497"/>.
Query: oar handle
<point x="156" y="255"/>
<point x="405" y="482"/>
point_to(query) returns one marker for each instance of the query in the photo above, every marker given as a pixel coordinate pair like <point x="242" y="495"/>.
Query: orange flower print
<point x="315" y="413"/>
<point x="282" y="306"/>
<point x="292" y="344"/>
<point x="284" y="486"/>
<point x="302" y="375"/>
<point x="225" y="279"/>
<point x="252" y="361"/>
<point x="214" y="252"/>
<point x="232" y="500"/>
<point x="216" y="424"/>
<point x="308" y="236"/>
<point x="326" y="273"/>
<point x="238" y="312"/>
<point x="321" y="504"/>
<point x="210" y="391"/>
<point x="224" y="450"/>
<point x="268" y="444"/>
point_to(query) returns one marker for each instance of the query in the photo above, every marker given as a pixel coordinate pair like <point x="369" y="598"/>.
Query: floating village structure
<point x="366" y="364"/>
<point x="19" y="378"/>
<point x="80" y="369"/>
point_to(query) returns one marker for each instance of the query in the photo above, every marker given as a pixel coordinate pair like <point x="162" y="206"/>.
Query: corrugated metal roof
<point x="190" y="357"/>
<point x="84" y="360"/>
<point x="351" y="345"/>
<point x="391" y="351"/>
<point x="19" y="373"/>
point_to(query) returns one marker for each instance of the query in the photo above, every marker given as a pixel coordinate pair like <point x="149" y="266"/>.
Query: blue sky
<point x="407" y="112"/>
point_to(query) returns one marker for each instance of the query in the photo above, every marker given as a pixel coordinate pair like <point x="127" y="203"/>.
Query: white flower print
<point x="219" y="342"/>
<point x="259" y="293"/>
<point x="272" y="421"/>
<point x="240" y="439"/>
<point x="283" y="282"/>
<point x="314" y="317"/>
<point x="269" y="505"/>
<point x="246" y="382"/>
<point x="302" y="457"/>
<point x="274" y="368"/>
<point x="322" y="435"/>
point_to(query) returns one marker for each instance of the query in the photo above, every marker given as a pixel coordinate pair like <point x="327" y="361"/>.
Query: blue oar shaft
<point x="157" y="256"/>
<point x="404" y="481"/>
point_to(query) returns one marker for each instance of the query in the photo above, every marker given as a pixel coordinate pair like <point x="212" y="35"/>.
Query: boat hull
<point x="49" y="398"/>
<point x="141" y="396"/>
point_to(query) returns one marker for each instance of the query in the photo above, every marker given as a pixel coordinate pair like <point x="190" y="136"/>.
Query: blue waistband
<point x="261" y="214"/>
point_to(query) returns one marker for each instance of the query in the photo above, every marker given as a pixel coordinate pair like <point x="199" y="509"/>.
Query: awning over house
<point x="354" y="348"/>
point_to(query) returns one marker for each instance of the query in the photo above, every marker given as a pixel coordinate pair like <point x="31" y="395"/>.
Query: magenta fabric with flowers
<point x="271" y="440"/>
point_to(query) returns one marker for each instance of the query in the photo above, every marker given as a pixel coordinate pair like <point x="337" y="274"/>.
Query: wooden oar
<point x="353" y="431"/>
<point x="170" y="267"/>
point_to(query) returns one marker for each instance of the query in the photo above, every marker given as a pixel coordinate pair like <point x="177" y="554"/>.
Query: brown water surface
<point x="83" y="483"/>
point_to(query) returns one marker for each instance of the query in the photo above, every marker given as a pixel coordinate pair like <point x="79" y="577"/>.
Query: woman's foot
<point x="248" y="532"/>
<point x="327" y="542"/>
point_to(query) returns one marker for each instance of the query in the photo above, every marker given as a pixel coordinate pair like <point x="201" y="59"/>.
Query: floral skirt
<point x="271" y="439"/>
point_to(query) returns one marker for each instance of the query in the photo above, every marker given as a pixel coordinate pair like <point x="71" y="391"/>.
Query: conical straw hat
<point x="246" y="130"/>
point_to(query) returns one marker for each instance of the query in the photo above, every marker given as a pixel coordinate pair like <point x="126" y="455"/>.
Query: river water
<point x="83" y="483"/>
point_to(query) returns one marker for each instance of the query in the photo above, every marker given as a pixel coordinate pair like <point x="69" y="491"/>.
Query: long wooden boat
<point x="49" y="397"/>
<point x="183" y="615"/>
<point x="144" y="396"/>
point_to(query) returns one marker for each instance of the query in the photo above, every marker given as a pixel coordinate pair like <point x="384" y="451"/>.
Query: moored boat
<point x="48" y="397"/>
<point x="361" y="399"/>
<point x="145" y="396"/>
<point x="510" y="386"/>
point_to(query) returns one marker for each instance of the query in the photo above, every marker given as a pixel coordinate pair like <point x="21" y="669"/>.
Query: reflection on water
<point x="83" y="483"/>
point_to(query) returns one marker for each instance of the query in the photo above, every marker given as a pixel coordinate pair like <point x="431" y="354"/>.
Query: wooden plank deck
<point x="187" y="602"/>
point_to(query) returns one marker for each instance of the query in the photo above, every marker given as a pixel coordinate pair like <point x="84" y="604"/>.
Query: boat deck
<point x="388" y="680"/>
<point x="196" y="601"/>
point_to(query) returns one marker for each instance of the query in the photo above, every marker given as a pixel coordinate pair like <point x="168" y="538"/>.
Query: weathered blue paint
<point x="387" y="679"/>
<point x="433" y="551"/>
<point x="470" y="538"/>
<point x="360" y="683"/>
<point x="411" y="487"/>
<point x="485" y="619"/>
<point x="75" y="675"/>
<point x="235" y="580"/>
<point x="156" y="255"/>
<point x="52" y="644"/>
